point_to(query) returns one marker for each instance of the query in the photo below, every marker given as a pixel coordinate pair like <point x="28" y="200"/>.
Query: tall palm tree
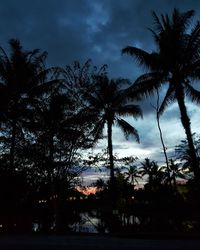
<point x="176" y="62"/>
<point x="108" y="101"/>
<point x="22" y="76"/>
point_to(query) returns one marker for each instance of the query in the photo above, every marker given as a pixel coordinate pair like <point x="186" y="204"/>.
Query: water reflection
<point x="89" y="223"/>
<point x="94" y="222"/>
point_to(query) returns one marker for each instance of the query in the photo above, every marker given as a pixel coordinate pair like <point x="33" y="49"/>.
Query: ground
<point x="93" y="243"/>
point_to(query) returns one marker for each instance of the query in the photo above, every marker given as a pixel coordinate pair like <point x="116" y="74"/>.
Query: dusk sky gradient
<point x="98" y="29"/>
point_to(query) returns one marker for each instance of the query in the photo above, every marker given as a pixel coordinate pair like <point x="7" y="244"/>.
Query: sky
<point x="98" y="29"/>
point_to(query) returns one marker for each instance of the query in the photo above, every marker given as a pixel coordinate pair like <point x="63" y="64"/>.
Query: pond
<point x="89" y="223"/>
<point x="94" y="222"/>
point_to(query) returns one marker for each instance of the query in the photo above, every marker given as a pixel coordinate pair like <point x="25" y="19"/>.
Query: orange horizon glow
<point x="87" y="190"/>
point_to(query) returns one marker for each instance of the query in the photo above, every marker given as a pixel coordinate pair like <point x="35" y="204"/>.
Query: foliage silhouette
<point x="182" y="152"/>
<point x="154" y="173"/>
<point x="23" y="76"/>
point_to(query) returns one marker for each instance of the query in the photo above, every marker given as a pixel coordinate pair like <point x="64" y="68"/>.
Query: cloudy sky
<point x="98" y="29"/>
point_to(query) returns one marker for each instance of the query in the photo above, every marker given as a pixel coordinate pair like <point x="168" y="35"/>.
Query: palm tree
<point x="154" y="173"/>
<point x="132" y="174"/>
<point x="100" y="184"/>
<point x="22" y="76"/>
<point x="182" y="151"/>
<point x="176" y="171"/>
<point x="108" y="101"/>
<point x="176" y="62"/>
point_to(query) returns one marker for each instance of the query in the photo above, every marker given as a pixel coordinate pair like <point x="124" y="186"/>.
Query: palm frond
<point x="147" y="84"/>
<point x="193" y="68"/>
<point x="44" y="87"/>
<point x="155" y="35"/>
<point x="142" y="57"/>
<point x="128" y="129"/>
<point x="181" y="21"/>
<point x="130" y="109"/>
<point x="97" y="131"/>
<point x="3" y="55"/>
<point x="185" y="18"/>
<point x="168" y="99"/>
<point x="191" y="54"/>
<point x="165" y="22"/>
<point x="192" y="93"/>
<point x="49" y="73"/>
<point x="194" y="37"/>
<point x="94" y="100"/>
<point x="157" y="23"/>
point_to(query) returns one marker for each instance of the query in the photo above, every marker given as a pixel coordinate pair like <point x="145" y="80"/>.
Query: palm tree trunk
<point x="186" y="124"/>
<point x="110" y="151"/>
<point x="113" y="195"/>
<point x="52" y="179"/>
<point x="12" y="146"/>
<point x="161" y="136"/>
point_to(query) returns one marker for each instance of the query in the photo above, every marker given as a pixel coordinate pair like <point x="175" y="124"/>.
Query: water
<point x="89" y="223"/>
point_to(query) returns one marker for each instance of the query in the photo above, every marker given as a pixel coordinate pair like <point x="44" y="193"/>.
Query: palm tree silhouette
<point x="176" y="171"/>
<point x="132" y="174"/>
<point x="176" y="62"/>
<point x="182" y="151"/>
<point x="154" y="173"/>
<point x="22" y="76"/>
<point x="109" y="100"/>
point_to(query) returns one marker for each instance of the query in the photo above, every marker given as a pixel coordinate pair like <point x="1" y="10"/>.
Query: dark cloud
<point x="80" y="29"/>
<point x="61" y="27"/>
